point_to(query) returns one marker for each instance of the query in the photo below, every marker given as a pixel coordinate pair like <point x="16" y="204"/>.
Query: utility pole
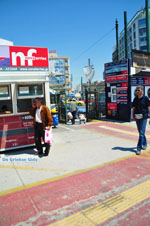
<point x="81" y="88"/>
<point x="147" y="26"/>
<point x="126" y="34"/>
<point x="117" y="43"/>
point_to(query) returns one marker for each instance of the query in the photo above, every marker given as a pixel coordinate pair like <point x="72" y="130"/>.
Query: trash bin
<point x="54" y="112"/>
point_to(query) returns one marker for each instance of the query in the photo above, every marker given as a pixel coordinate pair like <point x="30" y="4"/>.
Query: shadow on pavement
<point x="112" y="120"/>
<point x="133" y="149"/>
<point x="21" y="151"/>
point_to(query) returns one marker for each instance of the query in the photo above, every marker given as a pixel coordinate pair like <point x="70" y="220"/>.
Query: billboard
<point x="19" y="58"/>
<point x="57" y="66"/>
<point x="116" y="68"/>
<point x="140" y="59"/>
<point x="57" y="81"/>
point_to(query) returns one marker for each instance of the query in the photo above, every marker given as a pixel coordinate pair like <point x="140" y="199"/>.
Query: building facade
<point x="59" y="68"/>
<point x="136" y="29"/>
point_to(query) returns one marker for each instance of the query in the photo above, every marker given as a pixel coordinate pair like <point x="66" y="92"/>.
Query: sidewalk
<point x="88" y="167"/>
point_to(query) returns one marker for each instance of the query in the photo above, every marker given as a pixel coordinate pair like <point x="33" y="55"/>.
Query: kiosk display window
<point x="26" y="94"/>
<point x="30" y="90"/>
<point x="113" y="94"/>
<point x="5" y="100"/>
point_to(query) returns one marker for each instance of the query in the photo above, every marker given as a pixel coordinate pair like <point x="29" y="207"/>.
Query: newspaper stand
<point x="23" y="76"/>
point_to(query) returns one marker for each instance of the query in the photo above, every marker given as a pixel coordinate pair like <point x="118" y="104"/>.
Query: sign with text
<point x="140" y="59"/>
<point x="19" y="58"/>
<point x="116" y="68"/>
<point x="116" y="78"/>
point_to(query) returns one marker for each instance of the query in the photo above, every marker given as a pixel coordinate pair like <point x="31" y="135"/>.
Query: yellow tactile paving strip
<point x="101" y="212"/>
<point x="32" y="168"/>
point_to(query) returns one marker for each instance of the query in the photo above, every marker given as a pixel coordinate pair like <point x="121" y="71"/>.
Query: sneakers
<point x="138" y="152"/>
<point x="144" y="147"/>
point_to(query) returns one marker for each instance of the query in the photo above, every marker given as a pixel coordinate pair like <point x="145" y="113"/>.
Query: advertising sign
<point x="140" y="81"/>
<point x="18" y="58"/>
<point x="57" y="66"/>
<point x="116" y="68"/>
<point x="140" y="59"/>
<point x="111" y="106"/>
<point x="55" y="81"/>
<point x="116" y="78"/>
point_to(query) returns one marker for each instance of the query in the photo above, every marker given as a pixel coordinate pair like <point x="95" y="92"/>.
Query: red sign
<point x="125" y="84"/>
<point x="28" y="56"/>
<point x="146" y="81"/>
<point x="116" y="78"/>
<point x="112" y="106"/>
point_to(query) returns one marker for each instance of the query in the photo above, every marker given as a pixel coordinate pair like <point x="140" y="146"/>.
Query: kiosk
<point x="23" y="76"/>
<point x="121" y="79"/>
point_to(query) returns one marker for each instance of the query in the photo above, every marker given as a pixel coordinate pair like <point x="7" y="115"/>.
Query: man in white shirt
<point x="42" y="119"/>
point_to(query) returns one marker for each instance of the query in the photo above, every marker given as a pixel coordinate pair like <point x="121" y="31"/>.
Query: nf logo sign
<point x="28" y="56"/>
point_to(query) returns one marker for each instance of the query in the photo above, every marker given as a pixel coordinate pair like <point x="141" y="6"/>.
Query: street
<point x="91" y="177"/>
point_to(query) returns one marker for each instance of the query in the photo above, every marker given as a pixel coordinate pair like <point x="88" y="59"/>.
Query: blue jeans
<point x="141" y="126"/>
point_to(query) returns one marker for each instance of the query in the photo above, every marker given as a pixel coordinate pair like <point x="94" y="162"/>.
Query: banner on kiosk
<point x="18" y="58"/>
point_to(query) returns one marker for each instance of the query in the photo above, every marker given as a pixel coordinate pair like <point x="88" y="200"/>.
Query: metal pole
<point x="86" y="97"/>
<point x="147" y="26"/>
<point x="126" y="35"/>
<point x="117" y="43"/>
<point x="81" y="88"/>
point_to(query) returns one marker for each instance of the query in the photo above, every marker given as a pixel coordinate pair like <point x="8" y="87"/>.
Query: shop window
<point x="26" y="94"/>
<point x="5" y="100"/>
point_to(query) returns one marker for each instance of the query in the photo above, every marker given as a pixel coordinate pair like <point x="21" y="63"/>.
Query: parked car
<point x="78" y="102"/>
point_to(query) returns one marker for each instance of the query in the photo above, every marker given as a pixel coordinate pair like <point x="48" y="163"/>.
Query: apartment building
<point x="59" y="69"/>
<point x="136" y="29"/>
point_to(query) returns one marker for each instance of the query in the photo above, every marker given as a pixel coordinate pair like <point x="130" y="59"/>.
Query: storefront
<point x="23" y="76"/>
<point x="117" y="90"/>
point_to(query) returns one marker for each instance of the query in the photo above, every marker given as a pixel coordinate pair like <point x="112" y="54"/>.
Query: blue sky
<point x="80" y="29"/>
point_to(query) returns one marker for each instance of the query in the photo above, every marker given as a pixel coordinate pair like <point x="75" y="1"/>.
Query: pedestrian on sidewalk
<point x="73" y="109"/>
<point x="140" y="113"/>
<point x="42" y="119"/>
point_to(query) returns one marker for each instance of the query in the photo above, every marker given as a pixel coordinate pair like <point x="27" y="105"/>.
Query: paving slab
<point x="89" y="166"/>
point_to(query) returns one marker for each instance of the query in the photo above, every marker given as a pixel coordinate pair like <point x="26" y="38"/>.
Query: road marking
<point x="109" y="208"/>
<point x="107" y="134"/>
<point x="66" y="128"/>
<point x="31" y="168"/>
<point x="120" y="131"/>
<point x="62" y="176"/>
<point x="68" y="174"/>
<point x="147" y="155"/>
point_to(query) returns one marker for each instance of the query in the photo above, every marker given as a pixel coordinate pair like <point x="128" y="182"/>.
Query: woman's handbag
<point x="48" y="136"/>
<point x="138" y="116"/>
